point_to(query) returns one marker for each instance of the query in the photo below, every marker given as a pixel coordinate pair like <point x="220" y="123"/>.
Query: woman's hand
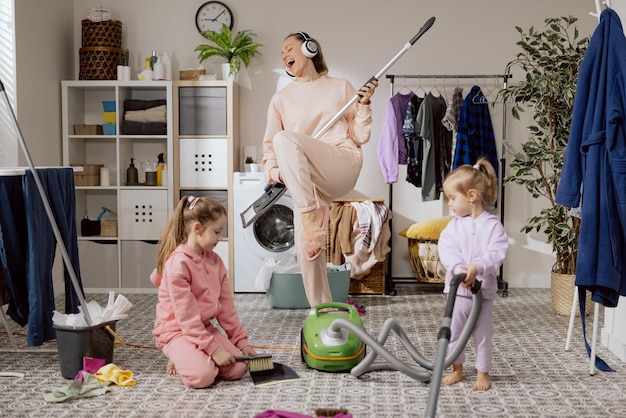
<point x="367" y="91"/>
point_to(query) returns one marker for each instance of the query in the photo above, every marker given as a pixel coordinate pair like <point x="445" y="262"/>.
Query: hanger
<point x="479" y="98"/>
<point x="420" y="92"/>
<point x="599" y="7"/>
<point x="404" y="86"/>
<point x="435" y="90"/>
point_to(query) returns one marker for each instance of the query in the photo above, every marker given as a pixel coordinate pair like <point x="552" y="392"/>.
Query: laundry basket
<point x="423" y="238"/>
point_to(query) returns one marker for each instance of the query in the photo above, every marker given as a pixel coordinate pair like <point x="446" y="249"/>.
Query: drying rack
<point x="53" y="224"/>
<point x="502" y="285"/>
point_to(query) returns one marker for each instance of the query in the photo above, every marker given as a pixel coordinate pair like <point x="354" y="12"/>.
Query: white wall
<point x="474" y="37"/>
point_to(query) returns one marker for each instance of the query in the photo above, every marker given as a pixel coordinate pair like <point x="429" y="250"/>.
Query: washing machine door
<point x="274" y="230"/>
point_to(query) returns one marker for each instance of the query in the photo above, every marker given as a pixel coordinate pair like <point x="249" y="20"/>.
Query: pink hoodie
<point x="193" y="290"/>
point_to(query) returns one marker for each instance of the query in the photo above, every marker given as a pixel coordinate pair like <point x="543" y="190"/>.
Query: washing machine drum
<point x="274" y="230"/>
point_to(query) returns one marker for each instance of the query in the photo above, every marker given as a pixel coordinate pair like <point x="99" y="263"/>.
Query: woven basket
<point x="191" y="74"/>
<point x="99" y="62"/>
<point x="562" y="287"/>
<point x="106" y="33"/>
<point x="424" y="261"/>
<point x="372" y="283"/>
<point x="90" y="176"/>
<point x="108" y="228"/>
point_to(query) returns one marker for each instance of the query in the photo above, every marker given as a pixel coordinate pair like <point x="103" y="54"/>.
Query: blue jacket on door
<point x="595" y="163"/>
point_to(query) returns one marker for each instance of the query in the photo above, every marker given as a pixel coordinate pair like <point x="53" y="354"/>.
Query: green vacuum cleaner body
<point x="324" y="350"/>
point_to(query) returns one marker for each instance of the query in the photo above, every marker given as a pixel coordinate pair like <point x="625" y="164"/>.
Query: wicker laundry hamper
<point x="423" y="238"/>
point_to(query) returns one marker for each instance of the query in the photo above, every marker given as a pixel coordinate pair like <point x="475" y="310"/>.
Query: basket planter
<point x="562" y="289"/>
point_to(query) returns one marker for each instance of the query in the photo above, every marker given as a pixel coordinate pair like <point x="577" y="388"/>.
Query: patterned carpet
<point x="532" y="376"/>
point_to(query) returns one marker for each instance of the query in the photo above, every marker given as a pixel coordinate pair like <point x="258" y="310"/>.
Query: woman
<point x="315" y="171"/>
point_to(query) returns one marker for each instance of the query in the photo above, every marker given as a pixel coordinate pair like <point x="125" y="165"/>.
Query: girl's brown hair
<point x="480" y="177"/>
<point x="318" y="59"/>
<point x="189" y="210"/>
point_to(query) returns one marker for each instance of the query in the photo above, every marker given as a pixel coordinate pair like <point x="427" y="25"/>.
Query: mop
<point x="421" y="371"/>
<point x="273" y="192"/>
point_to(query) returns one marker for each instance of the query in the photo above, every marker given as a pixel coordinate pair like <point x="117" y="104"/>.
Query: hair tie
<point x="476" y="167"/>
<point x="192" y="201"/>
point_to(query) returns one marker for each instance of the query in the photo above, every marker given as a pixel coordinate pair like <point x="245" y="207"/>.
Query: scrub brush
<point x="257" y="362"/>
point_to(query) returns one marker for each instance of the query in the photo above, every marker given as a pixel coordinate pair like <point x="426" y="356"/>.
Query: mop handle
<point x="378" y="75"/>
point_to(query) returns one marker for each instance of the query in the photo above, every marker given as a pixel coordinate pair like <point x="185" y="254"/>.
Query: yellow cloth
<point x="426" y="230"/>
<point x="112" y="373"/>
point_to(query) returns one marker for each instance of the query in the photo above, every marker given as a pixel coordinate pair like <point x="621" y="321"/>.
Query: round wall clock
<point x="212" y="14"/>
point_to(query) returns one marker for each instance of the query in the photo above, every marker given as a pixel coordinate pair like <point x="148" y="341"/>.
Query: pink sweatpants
<point x="196" y="367"/>
<point x="315" y="174"/>
<point x="483" y="332"/>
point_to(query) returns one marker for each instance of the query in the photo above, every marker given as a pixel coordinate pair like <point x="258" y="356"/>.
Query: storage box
<point x="109" y="128"/>
<point x="75" y="343"/>
<point x="108" y="105"/>
<point x="90" y="176"/>
<point x="108" y="228"/>
<point x="191" y="74"/>
<point x="109" y="117"/>
<point x="287" y="290"/>
<point x="88" y="130"/>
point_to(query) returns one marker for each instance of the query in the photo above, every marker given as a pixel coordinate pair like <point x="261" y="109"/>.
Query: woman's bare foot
<point x="170" y="369"/>
<point x="455" y="376"/>
<point x="483" y="381"/>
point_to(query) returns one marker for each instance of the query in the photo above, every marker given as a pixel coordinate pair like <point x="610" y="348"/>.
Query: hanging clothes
<point x="595" y="158"/>
<point x="436" y="145"/>
<point x="475" y="136"/>
<point x="391" y="147"/>
<point x="413" y="143"/>
<point x="27" y="261"/>
<point x="453" y="115"/>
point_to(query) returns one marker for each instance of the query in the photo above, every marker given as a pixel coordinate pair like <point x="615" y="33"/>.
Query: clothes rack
<point x="502" y="285"/>
<point x="49" y="213"/>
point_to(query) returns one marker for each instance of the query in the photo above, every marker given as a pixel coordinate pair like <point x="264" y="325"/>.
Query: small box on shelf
<point x="109" y="128"/>
<point x="108" y="117"/>
<point x="108" y="105"/>
<point x="88" y="130"/>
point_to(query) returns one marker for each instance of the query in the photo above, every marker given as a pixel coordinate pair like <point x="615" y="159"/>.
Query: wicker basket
<point x="372" y="283"/>
<point x="191" y="74"/>
<point x="425" y="261"/>
<point x="90" y="176"/>
<point x="562" y="288"/>
<point x="105" y="33"/>
<point x="99" y="62"/>
<point x="108" y="228"/>
<point x="88" y="130"/>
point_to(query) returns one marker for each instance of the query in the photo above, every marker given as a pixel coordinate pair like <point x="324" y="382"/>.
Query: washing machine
<point x="270" y="236"/>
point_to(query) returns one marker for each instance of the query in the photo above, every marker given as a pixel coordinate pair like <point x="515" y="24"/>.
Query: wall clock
<point x="212" y="14"/>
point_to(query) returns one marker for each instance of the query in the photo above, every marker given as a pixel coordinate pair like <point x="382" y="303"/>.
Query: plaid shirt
<point x="475" y="137"/>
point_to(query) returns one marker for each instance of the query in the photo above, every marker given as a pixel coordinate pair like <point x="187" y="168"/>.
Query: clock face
<point x="212" y="14"/>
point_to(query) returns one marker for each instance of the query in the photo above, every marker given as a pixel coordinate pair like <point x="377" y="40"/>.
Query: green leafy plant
<point x="237" y="50"/>
<point x="550" y="59"/>
<point x="249" y="160"/>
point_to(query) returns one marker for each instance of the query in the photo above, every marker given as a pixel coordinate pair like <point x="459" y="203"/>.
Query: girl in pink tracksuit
<point x="194" y="289"/>
<point x="474" y="242"/>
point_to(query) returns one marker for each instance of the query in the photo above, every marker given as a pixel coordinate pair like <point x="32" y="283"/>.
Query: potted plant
<point x="237" y="50"/>
<point x="251" y="165"/>
<point x="550" y="59"/>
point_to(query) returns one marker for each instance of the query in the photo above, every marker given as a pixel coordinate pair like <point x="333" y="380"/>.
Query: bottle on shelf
<point x="167" y="61"/>
<point x="159" y="70"/>
<point x="159" y="169"/>
<point x="132" y="175"/>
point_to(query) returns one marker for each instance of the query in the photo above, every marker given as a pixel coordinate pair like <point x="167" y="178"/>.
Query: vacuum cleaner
<point x="273" y="192"/>
<point x="425" y="370"/>
<point x="329" y="350"/>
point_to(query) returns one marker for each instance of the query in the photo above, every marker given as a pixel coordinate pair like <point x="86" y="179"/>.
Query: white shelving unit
<point x="206" y="147"/>
<point x="126" y="260"/>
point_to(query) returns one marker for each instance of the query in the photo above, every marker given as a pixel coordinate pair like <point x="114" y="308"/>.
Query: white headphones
<point x="309" y="47"/>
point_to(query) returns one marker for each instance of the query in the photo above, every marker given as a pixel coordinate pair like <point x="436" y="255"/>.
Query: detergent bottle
<point x="159" y="169"/>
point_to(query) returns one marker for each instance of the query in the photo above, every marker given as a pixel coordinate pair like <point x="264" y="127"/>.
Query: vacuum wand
<point x="377" y="76"/>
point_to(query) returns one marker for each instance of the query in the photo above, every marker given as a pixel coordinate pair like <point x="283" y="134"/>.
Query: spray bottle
<point x="159" y="170"/>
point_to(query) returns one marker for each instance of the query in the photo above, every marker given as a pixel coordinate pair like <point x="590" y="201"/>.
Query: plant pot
<point x="562" y="288"/>
<point x="252" y="167"/>
<point x="226" y="71"/>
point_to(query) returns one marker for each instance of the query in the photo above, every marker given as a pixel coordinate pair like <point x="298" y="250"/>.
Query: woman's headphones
<point x="309" y="47"/>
